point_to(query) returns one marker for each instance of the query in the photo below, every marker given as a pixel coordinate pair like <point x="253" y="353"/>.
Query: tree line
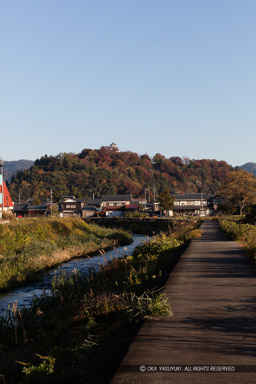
<point x="103" y="171"/>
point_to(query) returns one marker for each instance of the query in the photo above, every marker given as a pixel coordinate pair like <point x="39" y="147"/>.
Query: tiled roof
<point x="25" y="207"/>
<point x="116" y="198"/>
<point x="93" y="202"/>
<point x="37" y="207"/>
<point x="20" y="207"/>
<point x="191" y="196"/>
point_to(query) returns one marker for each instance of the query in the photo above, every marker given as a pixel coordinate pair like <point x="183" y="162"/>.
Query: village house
<point x="69" y="206"/>
<point x="114" y="211"/>
<point x="191" y="204"/>
<point x="20" y="210"/>
<point x="31" y="210"/>
<point x="115" y="200"/>
<point x="114" y="205"/>
<point x="91" y="208"/>
<point x="108" y="205"/>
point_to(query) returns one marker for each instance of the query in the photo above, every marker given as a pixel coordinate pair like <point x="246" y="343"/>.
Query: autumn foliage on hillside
<point x="107" y="171"/>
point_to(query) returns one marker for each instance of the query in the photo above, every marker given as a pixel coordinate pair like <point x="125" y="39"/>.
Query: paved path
<point x="212" y="292"/>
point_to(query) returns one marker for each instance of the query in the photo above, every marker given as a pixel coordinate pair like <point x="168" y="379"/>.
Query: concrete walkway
<point x="212" y="291"/>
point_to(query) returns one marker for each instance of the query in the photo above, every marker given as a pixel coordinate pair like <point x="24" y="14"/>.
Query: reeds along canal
<point x="25" y="295"/>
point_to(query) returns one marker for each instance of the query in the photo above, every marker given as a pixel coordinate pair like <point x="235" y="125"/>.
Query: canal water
<point x="25" y="295"/>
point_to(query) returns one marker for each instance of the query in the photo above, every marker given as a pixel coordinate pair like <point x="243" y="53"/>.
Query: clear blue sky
<point x="171" y="76"/>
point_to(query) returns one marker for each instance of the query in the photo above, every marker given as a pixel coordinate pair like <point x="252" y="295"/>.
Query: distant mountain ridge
<point x="249" y="167"/>
<point x="12" y="167"/>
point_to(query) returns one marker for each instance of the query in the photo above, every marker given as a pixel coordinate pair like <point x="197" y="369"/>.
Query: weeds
<point x="29" y="247"/>
<point x="38" y="372"/>
<point x="55" y="338"/>
<point x="245" y="233"/>
<point x="150" y="303"/>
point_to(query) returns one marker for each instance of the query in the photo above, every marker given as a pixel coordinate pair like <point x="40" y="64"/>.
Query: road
<point x="212" y="293"/>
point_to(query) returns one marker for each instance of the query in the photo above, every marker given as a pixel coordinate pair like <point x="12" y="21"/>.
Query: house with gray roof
<point x="32" y="210"/>
<point x="69" y="206"/>
<point x="191" y="204"/>
<point x="115" y="200"/>
<point x="110" y="205"/>
<point x="91" y="207"/>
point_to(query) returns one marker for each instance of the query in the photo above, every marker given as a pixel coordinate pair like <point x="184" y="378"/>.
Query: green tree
<point x="239" y="190"/>
<point x="36" y="200"/>
<point x="166" y="200"/>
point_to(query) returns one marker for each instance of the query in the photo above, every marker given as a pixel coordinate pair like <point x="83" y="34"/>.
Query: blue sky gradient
<point x="175" y="77"/>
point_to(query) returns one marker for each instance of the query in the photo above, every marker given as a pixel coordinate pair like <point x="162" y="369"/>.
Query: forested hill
<point x="106" y="171"/>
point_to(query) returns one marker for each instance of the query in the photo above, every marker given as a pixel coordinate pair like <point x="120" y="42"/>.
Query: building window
<point x="70" y="206"/>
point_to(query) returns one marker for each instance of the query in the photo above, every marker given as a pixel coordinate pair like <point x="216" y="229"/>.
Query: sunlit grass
<point x="244" y="233"/>
<point x="30" y="246"/>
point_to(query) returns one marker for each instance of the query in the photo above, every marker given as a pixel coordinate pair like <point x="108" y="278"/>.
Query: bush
<point x="245" y="233"/>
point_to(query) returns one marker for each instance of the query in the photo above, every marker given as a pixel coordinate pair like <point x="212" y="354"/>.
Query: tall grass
<point x="148" y="225"/>
<point x="245" y="233"/>
<point x="31" y="246"/>
<point x="53" y="340"/>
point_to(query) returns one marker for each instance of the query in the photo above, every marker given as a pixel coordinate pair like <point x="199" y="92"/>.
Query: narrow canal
<point x="24" y="295"/>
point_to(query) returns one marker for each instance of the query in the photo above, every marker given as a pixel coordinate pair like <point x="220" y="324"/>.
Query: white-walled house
<point x="111" y="205"/>
<point x="115" y="200"/>
<point x="191" y="204"/>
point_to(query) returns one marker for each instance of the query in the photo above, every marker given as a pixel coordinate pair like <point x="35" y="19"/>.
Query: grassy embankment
<point x="54" y="340"/>
<point x="148" y="226"/>
<point x="244" y="233"/>
<point x="31" y="246"/>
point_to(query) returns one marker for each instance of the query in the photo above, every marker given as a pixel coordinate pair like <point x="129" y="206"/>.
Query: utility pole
<point x="2" y="187"/>
<point x="51" y="202"/>
<point x="147" y="196"/>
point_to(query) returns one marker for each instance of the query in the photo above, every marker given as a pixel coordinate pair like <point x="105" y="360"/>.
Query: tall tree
<point x="166" y="200"/>
<point x="239" y="190"/>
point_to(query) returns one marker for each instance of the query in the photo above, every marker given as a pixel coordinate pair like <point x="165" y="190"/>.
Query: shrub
<point x="245" y="233"/>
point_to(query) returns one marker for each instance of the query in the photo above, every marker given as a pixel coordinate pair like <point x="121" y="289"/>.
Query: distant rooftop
<point x="190" y="196"/>
<point x="94" y="202"/>
<point x="116" y="198"/>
